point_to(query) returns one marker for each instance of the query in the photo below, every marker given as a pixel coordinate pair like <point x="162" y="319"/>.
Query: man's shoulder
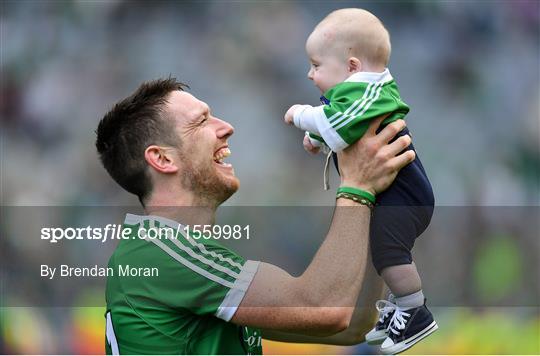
<point x="175" y="250"/>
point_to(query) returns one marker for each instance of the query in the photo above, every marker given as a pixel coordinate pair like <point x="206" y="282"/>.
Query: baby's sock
<point x="410" y="301"/>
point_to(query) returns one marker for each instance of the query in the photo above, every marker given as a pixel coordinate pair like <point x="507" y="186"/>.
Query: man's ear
<point x="354" y="65"/>
<point x="160" y="159"/>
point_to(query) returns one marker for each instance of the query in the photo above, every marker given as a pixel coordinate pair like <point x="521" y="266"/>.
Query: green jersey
<point x="175" y="294"/>
<point x="349" y="107"/>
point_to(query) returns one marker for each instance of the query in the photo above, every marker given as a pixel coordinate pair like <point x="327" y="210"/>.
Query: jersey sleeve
<point x="352" y="106"/>
<point x="199" y="275"/>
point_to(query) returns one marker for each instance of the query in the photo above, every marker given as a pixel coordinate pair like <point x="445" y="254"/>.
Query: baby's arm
<point x="351" y="108"/>
<point x="289" y="115"/>
<point x="297" y="115"/>
<point x="304" y="117"/>
<point x="313" y="119"/>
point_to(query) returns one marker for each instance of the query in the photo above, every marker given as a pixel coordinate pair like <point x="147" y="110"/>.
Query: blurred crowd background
<point x="468" y="69"/>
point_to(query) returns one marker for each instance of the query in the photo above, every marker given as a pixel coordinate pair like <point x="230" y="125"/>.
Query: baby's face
<point x="326" y="68"/>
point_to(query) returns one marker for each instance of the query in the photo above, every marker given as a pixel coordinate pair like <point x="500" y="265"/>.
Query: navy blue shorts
<point x="401" y="214"/>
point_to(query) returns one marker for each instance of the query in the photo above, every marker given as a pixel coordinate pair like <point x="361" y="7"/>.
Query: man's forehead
<point x="182" y="103"/>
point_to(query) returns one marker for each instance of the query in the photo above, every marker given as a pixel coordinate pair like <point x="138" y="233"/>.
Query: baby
<point x="349" y="52"/>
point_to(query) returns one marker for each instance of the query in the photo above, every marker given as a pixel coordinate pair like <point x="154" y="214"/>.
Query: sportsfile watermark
<point x="121" y="232"/>
<point x="60" y="256"/>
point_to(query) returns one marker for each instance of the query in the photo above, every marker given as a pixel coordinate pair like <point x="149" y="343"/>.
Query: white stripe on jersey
<point x="343" y="115"/>
<point x="195" y="255"/>
<point x="203" y="249"/>
<point x="111" y="337"/>
<point x="136" y="219"/>
<point x="363" y="111"/>
<point x="190" y="265"/>
<point x="182" y="229"/>
<point x="367" y="100"/>
<point x="234" y="296"/>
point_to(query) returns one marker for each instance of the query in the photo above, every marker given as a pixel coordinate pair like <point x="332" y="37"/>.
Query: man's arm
<point x="321" y="301"/>
<point x="310" y="303"/>
<point x="362" y="320"/>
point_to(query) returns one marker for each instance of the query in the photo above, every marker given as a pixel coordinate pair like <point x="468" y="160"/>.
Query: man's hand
<point x="289" y="115"/>
<point x="372" y="163"/>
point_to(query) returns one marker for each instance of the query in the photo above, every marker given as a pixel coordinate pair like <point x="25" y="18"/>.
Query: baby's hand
<point x="308" y="146"/>
<point x="289" y="115"/>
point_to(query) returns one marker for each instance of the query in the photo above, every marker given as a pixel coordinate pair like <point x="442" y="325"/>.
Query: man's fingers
<point x="402" y="160"/>
<point x="372" y="129"/>
<point x="391" y="130"/>
<point x="398" y="145"/>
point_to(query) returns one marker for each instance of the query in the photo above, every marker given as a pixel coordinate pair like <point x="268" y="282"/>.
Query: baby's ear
<point x="354" y="65"/>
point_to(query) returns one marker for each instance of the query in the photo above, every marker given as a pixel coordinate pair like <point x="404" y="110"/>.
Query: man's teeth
<point x="221" y="154"/>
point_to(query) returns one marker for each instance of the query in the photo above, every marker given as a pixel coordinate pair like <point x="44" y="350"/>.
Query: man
<point x="164" y="145"/>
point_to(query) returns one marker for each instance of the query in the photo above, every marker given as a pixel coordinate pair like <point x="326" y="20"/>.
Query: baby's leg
<point x="394" y="230"/>
<point x="402" y="214"/>
<point x="393" y="233"/>
<point x="402" y="279"/>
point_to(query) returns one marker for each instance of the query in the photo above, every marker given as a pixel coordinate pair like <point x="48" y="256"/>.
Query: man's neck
<point x="186" y="215"/>
<point x="184" y="208"/>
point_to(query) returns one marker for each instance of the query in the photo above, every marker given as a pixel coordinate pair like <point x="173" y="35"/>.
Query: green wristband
<point x="358" y="192"/>
<point x="357" y="199"/>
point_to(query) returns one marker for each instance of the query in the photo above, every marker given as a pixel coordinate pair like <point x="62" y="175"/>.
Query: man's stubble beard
<point x="207" y="184"/>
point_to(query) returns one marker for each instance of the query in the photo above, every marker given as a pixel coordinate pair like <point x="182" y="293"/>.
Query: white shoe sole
<point x="376" y="337"/>
<point x="405" y="344"/>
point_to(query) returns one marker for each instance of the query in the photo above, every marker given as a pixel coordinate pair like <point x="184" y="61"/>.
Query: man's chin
<point x="229" y="181"/>
<point x="230" y="187"/>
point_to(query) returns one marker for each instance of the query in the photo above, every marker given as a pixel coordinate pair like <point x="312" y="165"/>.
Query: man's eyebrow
<point x="202" y="113"/>
<point x="207" y="111"/>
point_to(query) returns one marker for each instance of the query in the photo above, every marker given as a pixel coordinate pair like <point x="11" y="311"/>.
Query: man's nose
<point x="224" y="129"/>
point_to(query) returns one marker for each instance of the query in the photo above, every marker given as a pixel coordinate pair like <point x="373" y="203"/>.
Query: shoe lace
<point x="398" y="321"/>
<point x="385" y="308"/>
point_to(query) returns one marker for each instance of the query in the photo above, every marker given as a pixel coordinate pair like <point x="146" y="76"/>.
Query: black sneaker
<point x="406" y="328"/>
<point x="379" y="333"/>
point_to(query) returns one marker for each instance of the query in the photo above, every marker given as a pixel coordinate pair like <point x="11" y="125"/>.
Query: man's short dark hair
<point x="132" y="125"/>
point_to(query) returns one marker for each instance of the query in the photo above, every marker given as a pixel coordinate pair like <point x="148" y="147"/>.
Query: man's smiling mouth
<point x="221" y="154"/>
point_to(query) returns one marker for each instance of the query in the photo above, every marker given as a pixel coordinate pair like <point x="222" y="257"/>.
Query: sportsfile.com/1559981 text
<point x="120" y="232"/>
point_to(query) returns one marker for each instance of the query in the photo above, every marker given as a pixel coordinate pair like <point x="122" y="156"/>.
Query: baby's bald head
<point x="353" y="32"/>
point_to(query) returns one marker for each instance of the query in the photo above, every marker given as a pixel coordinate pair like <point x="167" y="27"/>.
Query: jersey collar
<point x="370" y="77"/>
